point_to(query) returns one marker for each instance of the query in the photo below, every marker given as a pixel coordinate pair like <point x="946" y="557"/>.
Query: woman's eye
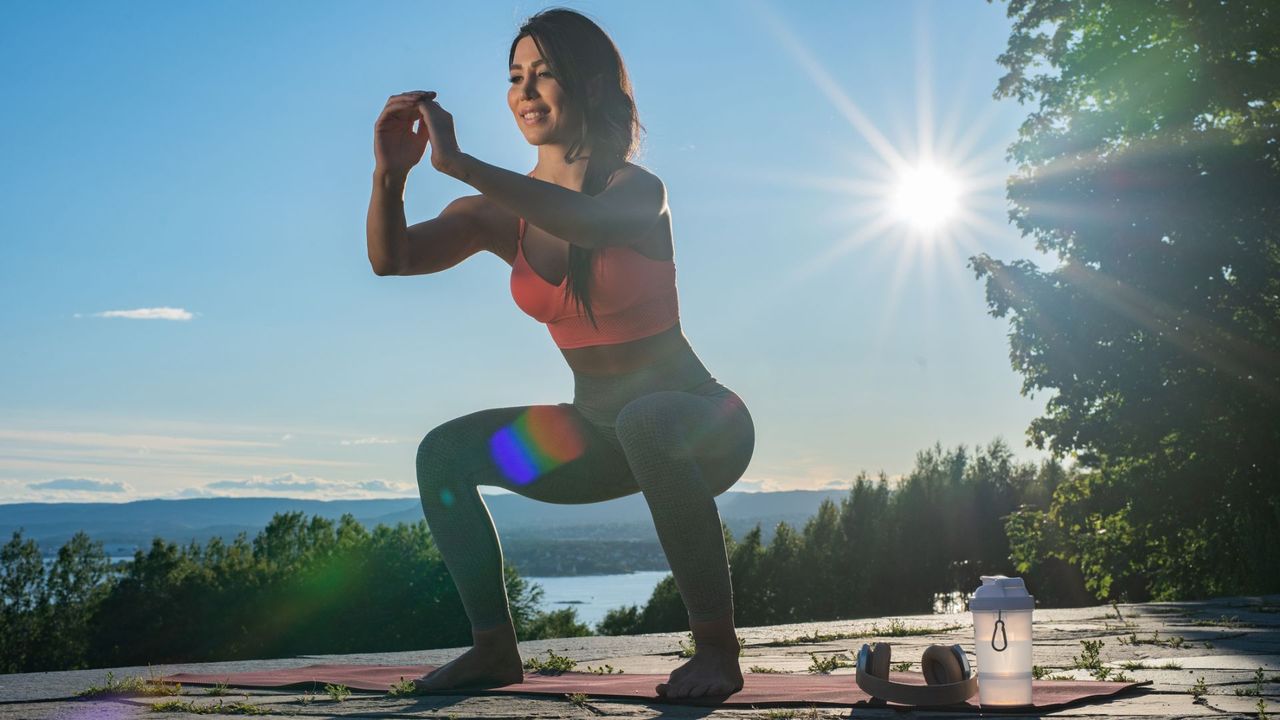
<point x="516" y="78"/>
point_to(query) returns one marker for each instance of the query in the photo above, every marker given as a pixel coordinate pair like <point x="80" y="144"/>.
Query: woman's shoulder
<point x="630" y="169"/>
<point x="640" y="179"/>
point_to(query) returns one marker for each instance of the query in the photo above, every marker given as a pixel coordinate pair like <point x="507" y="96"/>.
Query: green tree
<point x="76" y="582"/>
<point x="1150" y="168"/>
<point x="819" y="558"/>
<point x="24" y="600"/>
<point x="620" y="621"/>
<point x="555" y="624"/>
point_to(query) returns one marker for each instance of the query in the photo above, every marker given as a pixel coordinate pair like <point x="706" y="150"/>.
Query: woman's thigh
<point x="549" y="453"/>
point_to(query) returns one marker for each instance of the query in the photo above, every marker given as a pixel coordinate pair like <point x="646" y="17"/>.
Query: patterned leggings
<point x="669" y="431"/>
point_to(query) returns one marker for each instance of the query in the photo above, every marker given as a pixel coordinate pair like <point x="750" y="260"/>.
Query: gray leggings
<point x="669" y="430"/>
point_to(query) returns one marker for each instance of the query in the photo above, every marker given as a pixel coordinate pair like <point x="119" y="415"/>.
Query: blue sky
<point x="187" y="301"/>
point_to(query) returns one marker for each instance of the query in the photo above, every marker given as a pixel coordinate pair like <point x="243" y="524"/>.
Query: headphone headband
<point x="906" y="694"/>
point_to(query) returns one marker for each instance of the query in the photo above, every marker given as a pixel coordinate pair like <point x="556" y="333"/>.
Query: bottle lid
<point x="999" y="592"/>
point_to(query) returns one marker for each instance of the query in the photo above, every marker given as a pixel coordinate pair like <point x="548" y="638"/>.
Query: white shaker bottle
<point x="1002" y="636"/>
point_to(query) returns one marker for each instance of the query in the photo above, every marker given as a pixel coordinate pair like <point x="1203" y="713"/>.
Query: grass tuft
<point x="1173" y="641"/>
<point x="1256" y="690"/>
<point x="554" y="664"/>
<point x="134" y="685"/>
<point x="218" y="708"/>
<point x="895" y="628"/>
<point x="1199" y="689"/>
<point x="1091" y="659"/>
<point x="1223" y="621"/>
<point x="826" y="665"/>
<point x="692" y="647"/>
<point x="217" y="689"/>
<point x="337" y="693"/>
<point x="403" y="688"/>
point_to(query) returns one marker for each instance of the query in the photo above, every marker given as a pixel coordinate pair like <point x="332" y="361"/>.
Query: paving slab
<point x="1201" y="657"/>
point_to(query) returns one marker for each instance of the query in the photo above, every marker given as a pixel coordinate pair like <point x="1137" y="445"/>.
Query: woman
<point x="588" y="236"/>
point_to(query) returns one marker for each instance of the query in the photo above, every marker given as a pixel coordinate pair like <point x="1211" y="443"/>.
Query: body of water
<point x="594" y="595"/>
<point x="50" y="559"/>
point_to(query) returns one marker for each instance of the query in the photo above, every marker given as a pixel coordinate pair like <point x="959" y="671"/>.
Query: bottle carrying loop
<point x="999" y="626"/>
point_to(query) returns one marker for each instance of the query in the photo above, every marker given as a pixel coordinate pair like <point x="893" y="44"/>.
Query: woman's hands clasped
<point x="397" y="148"/>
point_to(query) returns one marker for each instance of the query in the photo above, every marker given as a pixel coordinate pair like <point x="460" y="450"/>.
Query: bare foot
<point x="494" y="661"/>
<point x="475" y="668"/>
<point x="711" y="671"/>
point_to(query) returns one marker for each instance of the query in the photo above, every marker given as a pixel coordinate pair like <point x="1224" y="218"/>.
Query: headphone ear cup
<point x="878" y="665"/>
<point x="940" y="665"/>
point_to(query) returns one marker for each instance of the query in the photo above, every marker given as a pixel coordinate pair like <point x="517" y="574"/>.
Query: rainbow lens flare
<point x="542" y="439"/>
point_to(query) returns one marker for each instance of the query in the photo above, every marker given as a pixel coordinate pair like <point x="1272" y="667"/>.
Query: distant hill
<point x="125" y="526"/>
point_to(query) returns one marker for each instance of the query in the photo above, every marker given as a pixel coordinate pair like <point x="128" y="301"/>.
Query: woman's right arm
<point x="426" y="247"/>
<point x="385" y="226"/>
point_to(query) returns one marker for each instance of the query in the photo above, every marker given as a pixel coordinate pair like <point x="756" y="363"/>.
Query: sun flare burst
<point x="924" y="203"/>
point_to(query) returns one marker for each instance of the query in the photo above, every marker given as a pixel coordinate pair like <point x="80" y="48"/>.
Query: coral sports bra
<point x="632" y="296"/>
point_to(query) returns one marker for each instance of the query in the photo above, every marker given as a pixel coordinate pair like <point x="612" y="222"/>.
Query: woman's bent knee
<point x="437" y="457"/>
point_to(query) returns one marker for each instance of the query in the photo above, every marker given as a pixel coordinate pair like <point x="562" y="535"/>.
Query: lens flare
<point x="540" y="440"/>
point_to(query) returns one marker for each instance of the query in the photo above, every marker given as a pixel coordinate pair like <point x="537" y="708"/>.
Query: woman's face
<point x="534" y="89"/>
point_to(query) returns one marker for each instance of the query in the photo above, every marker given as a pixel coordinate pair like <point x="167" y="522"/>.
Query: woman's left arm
<point x="621" y="214"/>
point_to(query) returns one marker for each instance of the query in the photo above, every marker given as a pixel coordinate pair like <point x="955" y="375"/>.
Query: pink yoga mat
<point x="759" y="689"/>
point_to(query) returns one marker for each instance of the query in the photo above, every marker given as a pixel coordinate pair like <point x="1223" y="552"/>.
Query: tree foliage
<point x="1150" y="171"/>
<point x="883" y="550"/>
<point x="300" y="587"/>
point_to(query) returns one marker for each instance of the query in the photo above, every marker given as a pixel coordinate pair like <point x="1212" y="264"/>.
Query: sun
<point x="921" y="203"/>
<point x="925" y="197"/>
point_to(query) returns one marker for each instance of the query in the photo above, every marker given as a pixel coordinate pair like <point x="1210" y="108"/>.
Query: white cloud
<point x="295" y="485"/>
<point x="386" y="486"/>
<point x="155" y="313"/>
<point x="369" y="441"/>
<point x="176" y="458"/>
<point x="49" y="452"/>
<point x="194" y="492"/>
<point x="82" y="484"/>
<point x="130" y="441"/>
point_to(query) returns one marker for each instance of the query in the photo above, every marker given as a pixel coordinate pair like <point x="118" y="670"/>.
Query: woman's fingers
<point x="409" y="98"/>
<point x="400" y="107"/>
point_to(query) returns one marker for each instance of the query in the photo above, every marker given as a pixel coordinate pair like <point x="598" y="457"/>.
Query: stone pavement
<point x="1205" y="658"/>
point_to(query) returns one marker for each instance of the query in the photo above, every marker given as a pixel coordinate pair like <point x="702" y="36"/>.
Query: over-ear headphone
<point x="946" y="672"/>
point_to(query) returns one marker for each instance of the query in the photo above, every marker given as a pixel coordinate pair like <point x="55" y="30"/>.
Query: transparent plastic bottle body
<point x="1004" y="675"/>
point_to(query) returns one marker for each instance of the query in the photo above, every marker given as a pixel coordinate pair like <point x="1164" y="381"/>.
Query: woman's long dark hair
<point x="581" y="54"/>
